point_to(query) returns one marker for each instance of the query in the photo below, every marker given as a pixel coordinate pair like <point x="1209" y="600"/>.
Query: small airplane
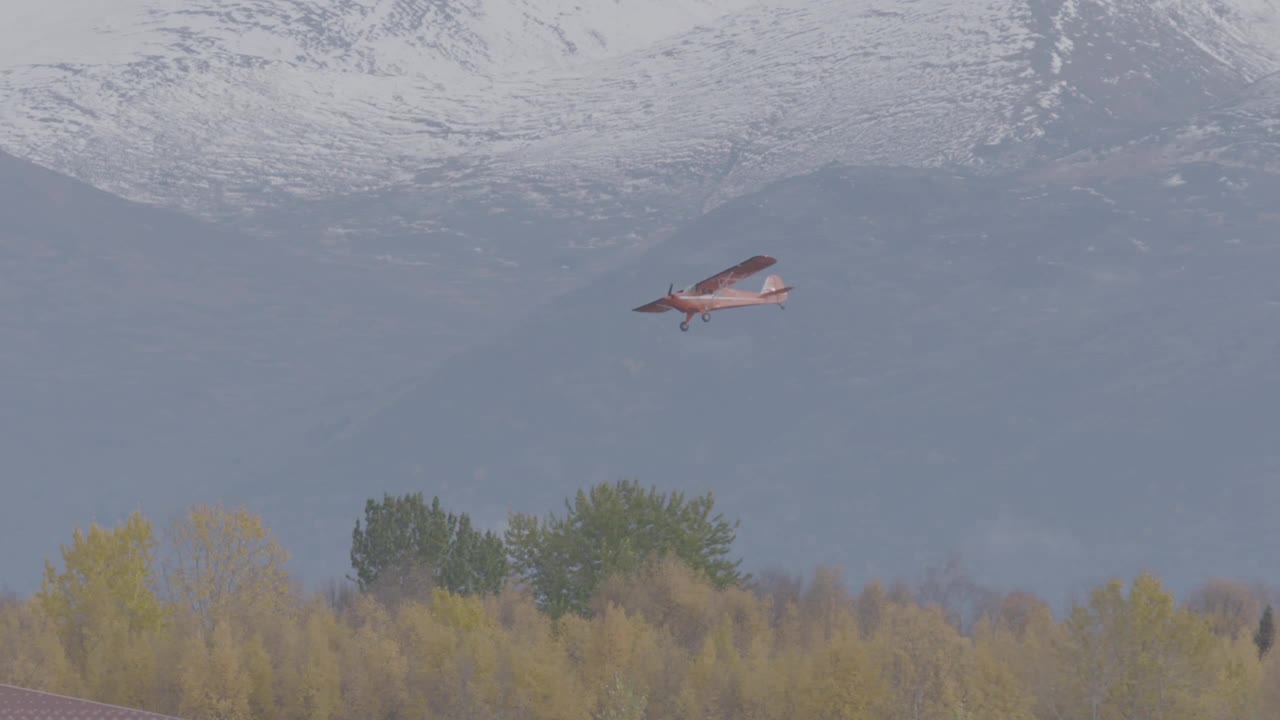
<point x="714" y="294"/>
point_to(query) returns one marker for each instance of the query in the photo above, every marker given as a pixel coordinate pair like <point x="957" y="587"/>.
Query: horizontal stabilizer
<point x="779" y="291"/>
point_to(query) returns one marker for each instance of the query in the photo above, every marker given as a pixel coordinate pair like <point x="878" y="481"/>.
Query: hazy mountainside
<point x="218" y="109"/>
<point x="1057" y="379"/>
<point x="150" y="359"/>
<point x="518" y="148"/>
<point x="506" y="152"/>
<point x="1242" y="132"/>
<point x="1057" y="373"/>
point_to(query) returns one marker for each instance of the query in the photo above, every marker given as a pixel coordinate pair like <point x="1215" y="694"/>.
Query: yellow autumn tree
<point x="285" y="647"/>
<point x="870" y="605"/>
<point x="109" y="568"/>
<point x="31" y="653"/>
<point x="992" y="688"/>
<point x="535" y="678"/>
<point x="616" y="654"/>
<point x="846" y="681"/>
<point x="666" y="593"/>
<point x="106" y="610"/>
<point x="1138" y="655"/>
<point x="214" y="682"/>
<point x="427" y="645"/>
<point x="1015" y="662"/>
<point x="1238" y="690"/>
<point x="1169" y="668"/>
<point x="707" y="688"/>
<point x="475" y="660"/>
<point x="922" y="662"/>
<point x="226" y="563"/>
<point x="785" y="683"/>
<point x="684" y="609"/>
<point x="374" y="668"/>
<point x="258" y="666"/>
<point x="1092" y="653"/>
<point x="1270" y="693"/>
<point x="119" y="665"/>
<point x="826" y="606"/>
<point x="320" y="689"/>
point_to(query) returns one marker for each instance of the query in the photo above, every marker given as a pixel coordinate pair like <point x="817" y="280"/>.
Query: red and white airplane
<point x="714" y="294"/>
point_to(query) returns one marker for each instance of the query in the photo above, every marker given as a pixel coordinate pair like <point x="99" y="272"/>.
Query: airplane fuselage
<point x="720" y="300"/>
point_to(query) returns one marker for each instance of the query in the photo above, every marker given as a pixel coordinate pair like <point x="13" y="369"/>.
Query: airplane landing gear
<point x="684" y="326"/>
<point x="706" y="317"/>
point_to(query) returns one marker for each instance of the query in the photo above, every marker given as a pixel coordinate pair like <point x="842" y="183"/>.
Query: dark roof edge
<point x="136" y="711"/>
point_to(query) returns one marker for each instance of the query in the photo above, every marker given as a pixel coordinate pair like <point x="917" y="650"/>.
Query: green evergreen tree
<point x="407" y="547"/>
<point x="1265" y="637"/>
<point x="615" y="528"/>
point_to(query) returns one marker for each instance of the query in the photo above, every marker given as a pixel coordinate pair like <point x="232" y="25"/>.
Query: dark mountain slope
<point x="150" y="360"/>
<point x="1059" y="380"/>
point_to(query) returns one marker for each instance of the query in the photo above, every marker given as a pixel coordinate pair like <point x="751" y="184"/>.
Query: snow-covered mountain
<point x="214" y="107"/>
<point x="317" y="95"/>
<point x="1033" y="358"/>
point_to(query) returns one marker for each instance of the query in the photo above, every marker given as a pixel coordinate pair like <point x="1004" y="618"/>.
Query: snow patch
<point x="200" y="103"/>
<point x="363" y="95"/>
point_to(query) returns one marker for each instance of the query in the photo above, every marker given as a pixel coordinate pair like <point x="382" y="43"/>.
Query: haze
<point x="305" y="254"/>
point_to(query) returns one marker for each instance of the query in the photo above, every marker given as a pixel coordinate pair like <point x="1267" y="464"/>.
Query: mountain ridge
<point x="764" y="90"/>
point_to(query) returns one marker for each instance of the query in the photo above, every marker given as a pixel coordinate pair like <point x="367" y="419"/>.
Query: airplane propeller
<point x="671" y="290"/>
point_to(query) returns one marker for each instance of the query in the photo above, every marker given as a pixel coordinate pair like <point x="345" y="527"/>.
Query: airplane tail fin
<point x="774" y="289"/>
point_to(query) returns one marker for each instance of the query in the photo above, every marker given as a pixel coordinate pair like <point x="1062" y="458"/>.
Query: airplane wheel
<point x="684" y="326"/>
<point x="706" y="317"/>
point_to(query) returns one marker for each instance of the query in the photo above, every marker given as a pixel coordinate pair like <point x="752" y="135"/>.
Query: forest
<point x="627" y="605"/>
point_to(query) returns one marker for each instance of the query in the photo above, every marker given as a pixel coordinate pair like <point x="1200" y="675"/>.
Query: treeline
<point x="627" y="606"/>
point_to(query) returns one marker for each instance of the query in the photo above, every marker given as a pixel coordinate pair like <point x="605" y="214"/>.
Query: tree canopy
<point x="406" y="548"/>
<point x="652" y="635"/>
<point x="107" y="570"/>
<point x="226" y="563"/>
<point x="615" y="528"/>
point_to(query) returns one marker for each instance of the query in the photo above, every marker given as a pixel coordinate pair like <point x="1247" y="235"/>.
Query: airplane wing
<point x="725" y="278"/>
<point x="657" y="306"/>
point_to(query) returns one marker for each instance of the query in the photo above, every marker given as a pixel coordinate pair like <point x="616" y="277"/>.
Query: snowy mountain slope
<point x="213" y="107"/>
<point x="289" y="91"/>
<point x="398" y="37"/>
<point x="775" y="91"/>
<point x="982" y="83"/>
